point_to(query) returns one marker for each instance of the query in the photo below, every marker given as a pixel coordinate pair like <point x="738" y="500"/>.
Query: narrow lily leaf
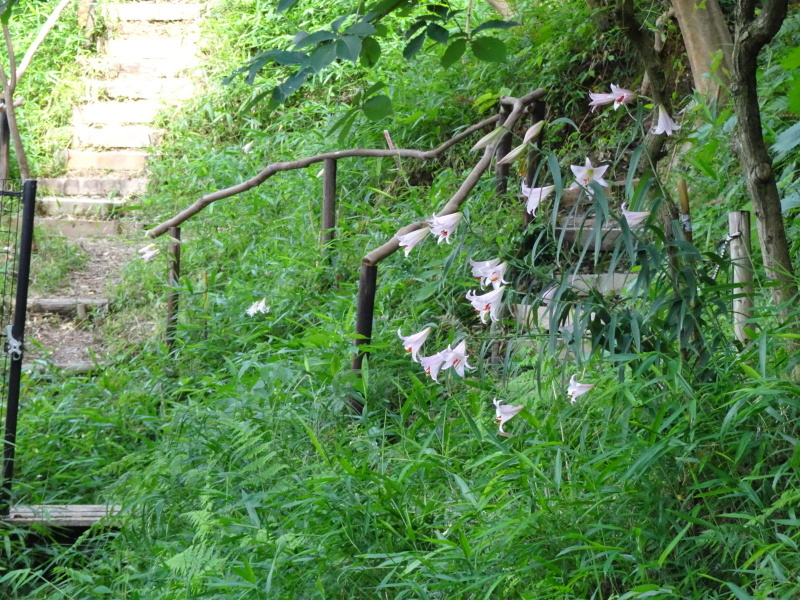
<point x="513" y="154"/>
<point x="533" y="131"/>
<point x="489" y="138"/>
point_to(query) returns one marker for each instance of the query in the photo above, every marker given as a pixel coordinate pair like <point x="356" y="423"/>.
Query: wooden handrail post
<point x="327" y="229"/>
<point x="537" y="110"/>
<point x="172" y="280"/>
<point x="739" y="232"/>
<point x="686" y="215"/>
<point x="504" y="147"/>
<point x="365" y="311"/>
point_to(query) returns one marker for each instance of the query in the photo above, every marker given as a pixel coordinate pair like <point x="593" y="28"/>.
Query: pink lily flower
<point x="665" y="124"/>
<point x="587" y="174"/>
<point x="457" y="358"/>
<point x="504" y="413"/>
<point x="634" y="218"/>
<point x="432" y="364"/>
<point x="577" y="388"/>
<point x="413" y="342"/>
<point x="487" y="303"/>
<point x="444" y="226"/>
<point x="409" y="240"/>
<point x="618" y="96"/>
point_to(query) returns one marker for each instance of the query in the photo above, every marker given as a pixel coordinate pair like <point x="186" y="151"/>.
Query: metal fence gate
<point x="16" y="239"/>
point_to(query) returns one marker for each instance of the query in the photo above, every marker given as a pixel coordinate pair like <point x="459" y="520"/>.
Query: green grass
<point x="242" y="474"/>
<point x="55" y="259"/>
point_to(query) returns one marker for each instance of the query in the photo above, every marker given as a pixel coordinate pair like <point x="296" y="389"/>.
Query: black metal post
<point x="328" y="205"/>
<point x="16" y="339"/>
<point x="5" y="146"/>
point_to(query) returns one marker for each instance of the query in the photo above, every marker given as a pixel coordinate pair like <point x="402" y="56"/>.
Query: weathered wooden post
<point x="367" y="284"/>
<point x="739" y="234"/>
<point x="686" y="215"/>
<point x="503" y="148"/>
<point x="5" y="145"/>
<point x="173" y="278"/>
<point x="328" y="205"/>
<point x="537" y="110"/>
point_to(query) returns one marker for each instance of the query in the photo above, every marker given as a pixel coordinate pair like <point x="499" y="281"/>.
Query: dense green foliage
<point x="242" y="474"/>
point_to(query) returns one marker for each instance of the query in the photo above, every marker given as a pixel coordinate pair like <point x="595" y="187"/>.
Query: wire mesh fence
<point x="17" y="201"/>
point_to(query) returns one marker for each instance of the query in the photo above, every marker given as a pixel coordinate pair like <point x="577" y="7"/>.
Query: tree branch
<point x="517" y="107"/>
<point x="278" y="167"/>
<point x="8" y="105"/>
<point x="46" y="28"/>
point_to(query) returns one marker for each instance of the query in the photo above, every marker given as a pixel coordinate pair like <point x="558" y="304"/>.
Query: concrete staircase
<point x="148" y="62"/>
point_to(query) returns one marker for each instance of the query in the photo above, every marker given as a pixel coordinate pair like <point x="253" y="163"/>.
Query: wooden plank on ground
<point x="61" y="515"/>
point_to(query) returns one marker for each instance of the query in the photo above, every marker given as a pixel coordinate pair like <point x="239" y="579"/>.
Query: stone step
<point x="121" y="160"/>
<point x="117" y="113"/>
<point x="153" y="11"/>
<point x="92" y="186"/>
<point x="181" y="50"/>
<point x="580" y="234"/>
<point x="151" y="67"/>
<point x="80" y="228"/>
<point x="115" y="136"/>
<point x="66" y="307"/>
<point x="78" y="206"/>
<point x="168" y="29"/>
<point x="136" y="87"/>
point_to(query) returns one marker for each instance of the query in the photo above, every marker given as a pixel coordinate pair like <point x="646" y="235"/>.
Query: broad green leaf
<point x="791" y="61"/>
<point x="787" y="141"/>
<point x="347" y="125"/>
<point x="322" y="57"/>
<point x="284" y="5"/>
<point x="495" y="24"/>
<point x="314" y="38"/>
<point x="5" y="10"/>
<point x="348" y="48"/>
<point x="438" y="33"/>
<point x="370" y="52"/>
<point x="489" y="49"/>
<point x="414" y="46"/>
<point x="375" y="87"/>
<point x="793" y="95"/>
<point x="361" y="29"/>
<point x="790" y="202"/>
<point x="289" y="87"/>
<point x="454" y="52"/>
<point x="419" y="24"/>
<point x="378" y="107"/>
<point x="341" y="122"/>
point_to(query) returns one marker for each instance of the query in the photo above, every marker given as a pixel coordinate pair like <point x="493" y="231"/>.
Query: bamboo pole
<point x="328" y="205"/>
<point x="739" y="232"/>
<point x="686" y="215"/>
<point x="173" y="278"/>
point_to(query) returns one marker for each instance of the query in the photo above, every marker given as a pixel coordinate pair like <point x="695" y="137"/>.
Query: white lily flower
<point x="586" y="174"/>
<point x="247" y="147"/>
<point x="577" y="388"/>
<point x="634" y="218"/>
<point x="548" y="294"/>
<point x="664" y="124"/>
<point x="504" y="413"/>
<point x="533" y="131"/>
<point x="489" y="271"/>
<point x="149" y="252"/>
<point x="488" y="303"/>
<point x="412" y="343"/>
<point x="536" y="196"/>
<point x="258" y="307"/>
<point x="445" y="226"/>
<point x="457" y="358"/>
<point x="618" y="96"/>
<point x="433" y="363"/>
<point x="409" y="240"/>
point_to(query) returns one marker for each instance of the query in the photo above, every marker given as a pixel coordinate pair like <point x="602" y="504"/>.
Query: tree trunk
<point x="705" y="34"/>
<point x="752" y="34"/>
